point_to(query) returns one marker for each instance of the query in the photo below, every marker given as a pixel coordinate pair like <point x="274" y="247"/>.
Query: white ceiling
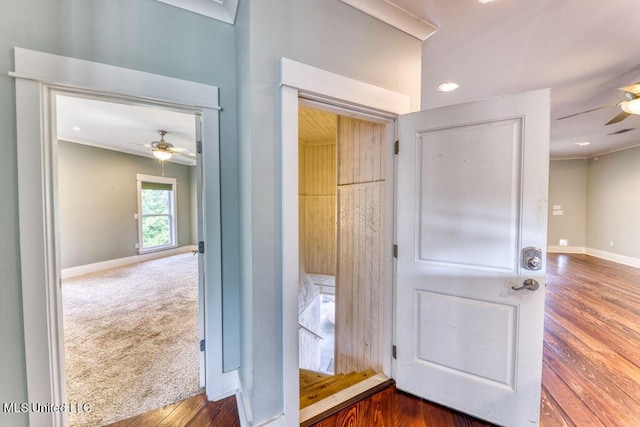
<point x="582" y="49"/>
<point x="124" y="127"/>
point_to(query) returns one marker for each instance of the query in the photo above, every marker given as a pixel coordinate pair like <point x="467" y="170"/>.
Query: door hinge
<point x="394" y="352"/>
<point x="395" y="251"/>
<point x="201" y="247"/>
<point x="397" y="147"/>
<point x="199" y="147"/>
<point x="202" y="345"/>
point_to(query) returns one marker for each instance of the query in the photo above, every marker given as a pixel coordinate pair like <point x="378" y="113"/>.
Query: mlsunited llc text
<point x="71" y="408"/>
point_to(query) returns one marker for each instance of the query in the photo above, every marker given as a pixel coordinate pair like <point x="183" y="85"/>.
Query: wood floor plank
<point x="331" y="385"/>
<point x="217" y="414"/>
<point x="566" y="408"/>
<point x="551" y="414"/>
<point x="185" y="412"/>
<point x="591" y="349"/>
<point x="607" y="369"/>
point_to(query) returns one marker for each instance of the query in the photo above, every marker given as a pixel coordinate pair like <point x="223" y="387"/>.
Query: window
<point x="156" y="213"/>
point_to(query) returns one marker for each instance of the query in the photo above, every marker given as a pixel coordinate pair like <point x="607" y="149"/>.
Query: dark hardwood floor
<point x="591" y="359"/>
<point x="193" y="412"/>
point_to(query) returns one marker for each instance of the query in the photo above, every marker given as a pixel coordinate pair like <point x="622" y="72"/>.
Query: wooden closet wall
<point x="360" y="243"/>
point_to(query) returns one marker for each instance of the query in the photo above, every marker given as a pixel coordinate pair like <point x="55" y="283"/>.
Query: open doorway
<point x="342" y="192"/>
<point x="130" y="272"/>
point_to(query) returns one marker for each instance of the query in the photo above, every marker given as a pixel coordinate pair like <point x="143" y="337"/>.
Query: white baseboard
<point x="277" y="421"/>
<point x="610" y="256"/>
<point x="244" y="407"/>
<point x="566" y="249"/>
<point x="67" y="273"/>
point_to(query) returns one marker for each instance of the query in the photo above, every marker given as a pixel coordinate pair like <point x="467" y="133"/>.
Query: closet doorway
<point x="344" y="252"/>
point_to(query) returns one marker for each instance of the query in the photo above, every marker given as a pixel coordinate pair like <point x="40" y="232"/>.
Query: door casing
<point x="301" y="80"/>
<point x="38" y="75"/>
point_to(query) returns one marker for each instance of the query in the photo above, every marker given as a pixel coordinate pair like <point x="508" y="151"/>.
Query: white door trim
<point x="37" y="76"/>
<point x="301" y="79"/>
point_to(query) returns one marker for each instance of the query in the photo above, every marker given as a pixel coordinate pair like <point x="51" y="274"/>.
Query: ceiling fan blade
<point x="178" y="150"/>
<point x="588" y="111"/>
<point x="634" y="88"/>
<point x="184" y="153"/>
<point x="620" y="117"/>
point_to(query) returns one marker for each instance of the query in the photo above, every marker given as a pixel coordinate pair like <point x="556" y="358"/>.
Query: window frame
<point x="173" y="215"/>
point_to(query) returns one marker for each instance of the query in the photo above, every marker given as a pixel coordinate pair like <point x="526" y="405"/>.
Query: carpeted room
<point x="131" y="337"/>
<point x="130" y="331"/>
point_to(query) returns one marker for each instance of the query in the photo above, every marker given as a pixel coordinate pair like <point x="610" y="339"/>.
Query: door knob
<point x="533" y="263"/>
<point x="530" y="284"/>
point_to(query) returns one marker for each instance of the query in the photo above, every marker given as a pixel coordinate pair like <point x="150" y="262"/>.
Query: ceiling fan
<point x="629" y="106"/>
<point x="163" y="150"/>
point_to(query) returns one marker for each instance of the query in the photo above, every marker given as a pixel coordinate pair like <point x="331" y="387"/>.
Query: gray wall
<point x="98" y="197"/>
<point x="327" y="34"/>
<point x="145" y="35"/>
<point x="613" y="203"/>
<point x="568" y="188"/>
<point x="600" y="198"/>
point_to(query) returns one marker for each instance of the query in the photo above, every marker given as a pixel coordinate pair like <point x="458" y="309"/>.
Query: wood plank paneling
<point x="317" y="195"/>
<point x="320" y="235"/>
<point x="360" y="272"/>
<point x="360" y="151"/>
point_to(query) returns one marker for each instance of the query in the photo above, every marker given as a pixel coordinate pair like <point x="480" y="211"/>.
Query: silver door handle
<point x="530" y="284"/>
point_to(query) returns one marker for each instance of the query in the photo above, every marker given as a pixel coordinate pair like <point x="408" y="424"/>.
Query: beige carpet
<point x="131" y="338"/>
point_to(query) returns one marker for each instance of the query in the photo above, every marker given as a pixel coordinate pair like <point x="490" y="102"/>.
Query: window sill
<point x="156" y="249"/>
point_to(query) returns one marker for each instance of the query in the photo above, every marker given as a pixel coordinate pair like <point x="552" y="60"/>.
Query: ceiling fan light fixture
<point x="632" y="106"/>
<point x="161" y="155"/>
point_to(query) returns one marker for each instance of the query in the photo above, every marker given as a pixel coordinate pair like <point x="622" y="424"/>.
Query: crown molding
<point x="395" y="16"/>
<point x="222" y="10"/>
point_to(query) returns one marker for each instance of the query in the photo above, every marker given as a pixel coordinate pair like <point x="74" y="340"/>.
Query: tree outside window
<point x="156" y="216"/>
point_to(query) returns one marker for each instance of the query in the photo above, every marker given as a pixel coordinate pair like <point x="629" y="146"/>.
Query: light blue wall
<point x="145" y="35"/>
<point x="330" y="35"/>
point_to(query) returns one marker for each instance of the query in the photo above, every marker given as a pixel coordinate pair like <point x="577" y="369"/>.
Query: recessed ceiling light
<point x="448" y="87"/>
<point x="485" y="1"/>
<point x="582" y="144"/>
<point x="76" y="128"/>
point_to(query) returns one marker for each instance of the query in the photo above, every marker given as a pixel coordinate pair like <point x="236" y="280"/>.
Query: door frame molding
<point x="37" y="76"/>
<point x="302" y="80"/>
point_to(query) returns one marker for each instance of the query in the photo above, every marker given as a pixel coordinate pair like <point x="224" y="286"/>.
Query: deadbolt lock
<point x="532" y="258"/>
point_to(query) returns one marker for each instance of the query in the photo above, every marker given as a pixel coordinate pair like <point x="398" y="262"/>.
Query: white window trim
<point x="140" y="178"/>
<point x="37" y="76"/>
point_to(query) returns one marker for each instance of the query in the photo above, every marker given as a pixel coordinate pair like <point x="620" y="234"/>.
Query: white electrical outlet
<point x="137" y="246"/>
<point x="611" y="243"/>
<point x="563" y="242"/>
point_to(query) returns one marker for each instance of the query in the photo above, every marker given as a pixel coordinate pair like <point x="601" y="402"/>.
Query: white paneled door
<point x="472" y="197"/>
